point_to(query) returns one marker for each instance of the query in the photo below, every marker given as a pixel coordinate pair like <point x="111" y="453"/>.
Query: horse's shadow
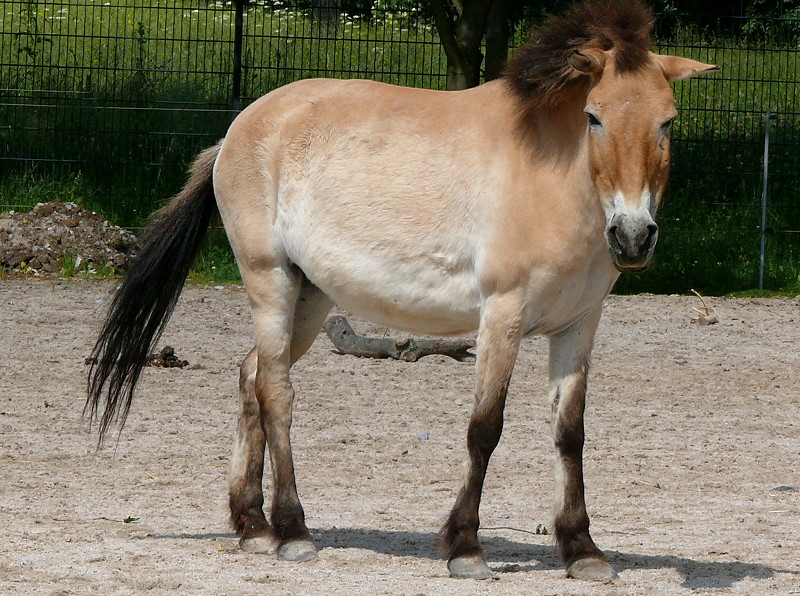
<point x="522" y="556"/>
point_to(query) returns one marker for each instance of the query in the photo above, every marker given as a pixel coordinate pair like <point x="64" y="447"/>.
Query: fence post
<point x="238" y="33"/>
<point x="767" y="117"/>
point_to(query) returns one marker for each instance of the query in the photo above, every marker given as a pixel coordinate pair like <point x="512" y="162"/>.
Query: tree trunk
<point x="325" y="17"/>
<point x="461" y="38"/>
<point x="497" y="33"/>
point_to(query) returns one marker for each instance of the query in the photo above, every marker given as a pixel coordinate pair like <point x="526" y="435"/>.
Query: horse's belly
<point x="444" y="309"/>
<point x="395" y="283"/>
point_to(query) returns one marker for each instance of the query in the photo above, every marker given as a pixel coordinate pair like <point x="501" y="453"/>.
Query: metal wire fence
<point x="721" y="205"/>
<point x="128" y="91"/>
<point x="117" y="96"/>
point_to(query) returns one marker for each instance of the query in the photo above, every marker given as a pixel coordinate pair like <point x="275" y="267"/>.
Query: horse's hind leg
<point x="247" y="467"/>
<point x="309" y="314"/>
<point x="569" y="364"/>
<point x="247" y="461"/>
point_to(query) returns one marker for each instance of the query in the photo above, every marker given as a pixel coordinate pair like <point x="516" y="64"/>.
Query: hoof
<point x="591" y="569"/>
<point x="298" y="551"/>
<point x="473" y="567"/>
<point x="265" y="545"/>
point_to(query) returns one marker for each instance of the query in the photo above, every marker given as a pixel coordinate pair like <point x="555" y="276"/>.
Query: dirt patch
<point x="691" y="433"/>
<point x="55" y="236"/>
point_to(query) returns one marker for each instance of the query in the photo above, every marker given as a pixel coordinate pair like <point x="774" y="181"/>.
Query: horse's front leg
<point x="498" y="344"/>
<point x="569" y="365"/>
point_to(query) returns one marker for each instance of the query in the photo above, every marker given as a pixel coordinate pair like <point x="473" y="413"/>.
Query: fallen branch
<point x="708" y="316"/>
<point x="348" y="341"/>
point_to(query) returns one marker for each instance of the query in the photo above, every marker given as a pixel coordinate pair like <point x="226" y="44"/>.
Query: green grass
<point x="215" y="263"/>
<point x="71" y="268"/>
<point x="22" y="190"/>
<point x="763" y="294"/>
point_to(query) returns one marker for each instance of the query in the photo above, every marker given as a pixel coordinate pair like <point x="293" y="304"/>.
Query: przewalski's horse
<point x="510" y="208"/>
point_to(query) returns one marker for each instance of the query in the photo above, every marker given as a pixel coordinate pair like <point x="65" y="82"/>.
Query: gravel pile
<point x="56" y="237"/>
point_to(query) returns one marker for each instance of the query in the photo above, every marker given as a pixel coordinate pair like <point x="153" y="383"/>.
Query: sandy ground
<point x="693" y="440"/>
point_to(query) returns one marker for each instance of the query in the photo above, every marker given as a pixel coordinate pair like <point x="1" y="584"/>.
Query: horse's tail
<point x="144" y="301"/>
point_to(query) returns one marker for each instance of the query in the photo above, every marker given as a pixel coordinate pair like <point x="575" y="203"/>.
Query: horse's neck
<point x="558" y="142"/>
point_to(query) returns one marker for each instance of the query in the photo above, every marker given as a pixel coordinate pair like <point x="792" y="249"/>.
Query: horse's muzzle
<point x="631" y="241"/>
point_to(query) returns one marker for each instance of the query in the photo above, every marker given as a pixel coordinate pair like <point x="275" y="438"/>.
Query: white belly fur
<point x="396" y="282"/>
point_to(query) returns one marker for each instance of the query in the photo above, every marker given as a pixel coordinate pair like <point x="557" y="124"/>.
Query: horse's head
<point x="629" y="112"/>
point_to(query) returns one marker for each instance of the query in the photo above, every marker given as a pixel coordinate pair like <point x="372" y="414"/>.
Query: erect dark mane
<point x="540" y="69"/>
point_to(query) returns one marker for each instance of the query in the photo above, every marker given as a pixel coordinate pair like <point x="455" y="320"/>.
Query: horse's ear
<point x="676" y="68"/>
<point x="590" y="61"/>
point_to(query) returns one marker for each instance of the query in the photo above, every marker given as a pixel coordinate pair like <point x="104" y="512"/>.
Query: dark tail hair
<point x="144" y="301"/>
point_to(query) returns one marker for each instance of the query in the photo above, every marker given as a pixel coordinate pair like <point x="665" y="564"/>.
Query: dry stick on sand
<point x="708" y="316"/>
<point x="348" y="341"/>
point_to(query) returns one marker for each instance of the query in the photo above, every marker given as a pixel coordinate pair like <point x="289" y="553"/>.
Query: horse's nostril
<point x="613" y="239"/>
<point x="652" y="230"/>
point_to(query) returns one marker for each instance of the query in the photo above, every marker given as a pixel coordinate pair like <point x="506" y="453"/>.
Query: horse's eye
<point x="593" y="121"/>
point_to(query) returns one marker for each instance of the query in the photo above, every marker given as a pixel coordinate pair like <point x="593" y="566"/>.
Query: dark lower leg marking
<point x="289" y="527"/>
<point x="459" y="536"/>
<point x="289" y="520"/>
<point x="248" y="519"/>
<point x="572" y="521"/>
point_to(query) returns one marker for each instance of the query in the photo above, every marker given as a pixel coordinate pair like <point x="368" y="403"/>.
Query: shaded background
<point x="106" y="103"/>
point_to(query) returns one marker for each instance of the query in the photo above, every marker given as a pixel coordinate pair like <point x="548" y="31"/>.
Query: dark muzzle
<point x="631" y="241"/>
